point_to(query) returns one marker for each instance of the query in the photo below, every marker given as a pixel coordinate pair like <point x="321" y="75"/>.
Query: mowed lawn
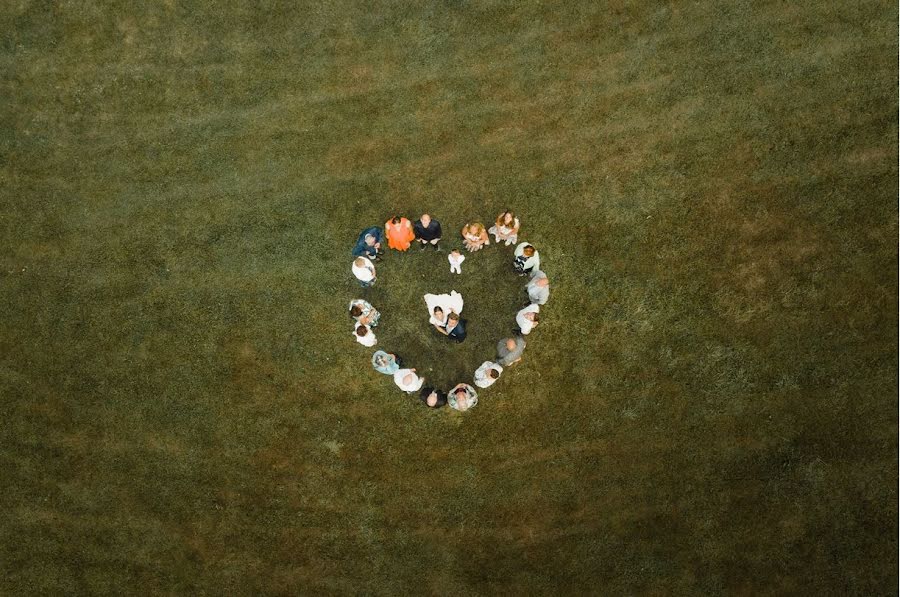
<point x="708" y="407"/>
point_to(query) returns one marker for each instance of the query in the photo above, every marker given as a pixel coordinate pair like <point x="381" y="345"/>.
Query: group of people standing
<point x="444" y="310"/>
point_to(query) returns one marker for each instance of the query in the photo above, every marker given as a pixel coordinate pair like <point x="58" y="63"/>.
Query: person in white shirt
<point x="487" y="374"/>
<point x="527" y="318"/>
<point x="538" y="288"/>
<point x="526" y="259"/>
<point x="408" y="381"/>
<point x="455" y="258"/>
<point x="506" y="228"/>
<point x="364" y="335"/>
<point x="364" y="270"/>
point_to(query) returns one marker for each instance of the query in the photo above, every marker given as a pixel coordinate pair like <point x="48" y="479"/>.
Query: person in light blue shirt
<point x="385" y="363"/>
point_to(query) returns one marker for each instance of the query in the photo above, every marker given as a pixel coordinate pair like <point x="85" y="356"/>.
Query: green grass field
<point x="709" y="406"/>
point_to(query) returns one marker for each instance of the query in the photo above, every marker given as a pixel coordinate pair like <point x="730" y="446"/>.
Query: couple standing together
<point x="444" y="314"/>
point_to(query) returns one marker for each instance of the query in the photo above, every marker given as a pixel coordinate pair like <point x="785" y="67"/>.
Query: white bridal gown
<point x="447" y="302"/>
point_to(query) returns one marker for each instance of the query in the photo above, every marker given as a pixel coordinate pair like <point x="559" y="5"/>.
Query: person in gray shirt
<point x="538" y="288"/>
<point x="509" y="350"/>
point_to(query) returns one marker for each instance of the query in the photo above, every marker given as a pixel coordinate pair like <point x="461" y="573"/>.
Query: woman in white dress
<point x="506" y="228"/>
<point x="441" y="305"/>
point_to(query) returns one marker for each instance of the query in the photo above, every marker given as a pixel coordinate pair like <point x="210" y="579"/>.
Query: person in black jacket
<point x="432" y="397"/>
<point x="455" y="328"/>
<point x="428" y="232"/>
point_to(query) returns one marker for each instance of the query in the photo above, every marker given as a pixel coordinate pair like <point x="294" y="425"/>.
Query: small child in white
<point x="455" y="258"/>
<point x="364" y="335"/>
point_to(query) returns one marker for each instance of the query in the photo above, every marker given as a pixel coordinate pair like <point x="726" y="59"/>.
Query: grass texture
<point x="709" y="406"/>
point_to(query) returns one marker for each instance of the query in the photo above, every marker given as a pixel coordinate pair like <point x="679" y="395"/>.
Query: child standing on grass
<point x="455" y="258"/>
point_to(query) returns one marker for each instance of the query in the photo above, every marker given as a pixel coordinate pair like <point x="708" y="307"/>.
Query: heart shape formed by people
<point x="416" y="264"/>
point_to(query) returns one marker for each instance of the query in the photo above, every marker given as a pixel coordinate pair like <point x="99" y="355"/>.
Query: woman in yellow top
<point x="475" y="236"/>
<point x="399" y="232"/>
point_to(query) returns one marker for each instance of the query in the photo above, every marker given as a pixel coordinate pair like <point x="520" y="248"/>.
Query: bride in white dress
<point x="447" y="303"/>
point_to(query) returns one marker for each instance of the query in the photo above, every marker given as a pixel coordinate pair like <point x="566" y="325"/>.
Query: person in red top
<point x="399" y="232"/>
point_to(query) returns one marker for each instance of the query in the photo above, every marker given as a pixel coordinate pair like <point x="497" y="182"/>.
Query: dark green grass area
<point x="709" y="406"/>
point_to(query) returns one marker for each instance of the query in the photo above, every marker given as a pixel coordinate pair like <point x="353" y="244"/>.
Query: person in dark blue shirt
<point x="455" y="328"/>
<point x="369" y="243"/>
<point x="428" y="232"/>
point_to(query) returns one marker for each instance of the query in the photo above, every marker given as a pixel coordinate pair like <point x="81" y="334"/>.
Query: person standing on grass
<point x="369" y="244"/>
<point x="475" y="237"/>
<point x="506" y="228"/>
<point x="364" y="270"/>
<point x="462" y="397"/>
<point x="455" y="258"/>
<point x="441" y="305"/>
<point x="399" y="232"/>
<point x="386" y="363"/>
<point x="432" y="398"/>
<point x="509" y="350"/>
<point x="538" y="288"/>
<point x="364" y="313"/>
<point x="487" y="374"/>
<point x="428" y="232"/>
<point x="455" y="328"/>
<point x="528" y="318"/>
<point x="365" y="336"/>
<point x="408" y="381"/>
<point x="526" y="259"/>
